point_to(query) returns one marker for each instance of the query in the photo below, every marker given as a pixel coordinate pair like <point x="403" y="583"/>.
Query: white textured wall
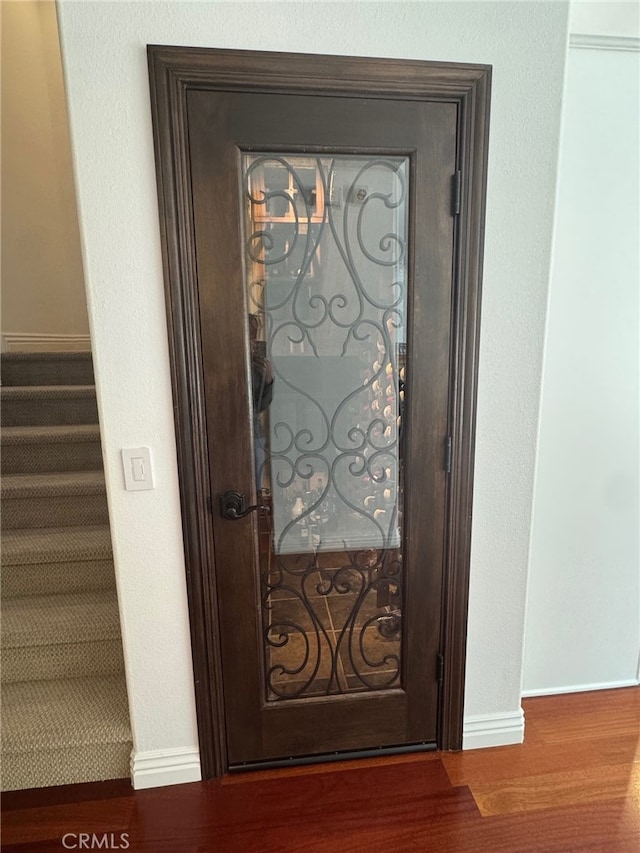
<point x="105" y="66"/>
<point x="42" y="282"/>
<point x="583" y="615"/>
<point x="604" y="18"/>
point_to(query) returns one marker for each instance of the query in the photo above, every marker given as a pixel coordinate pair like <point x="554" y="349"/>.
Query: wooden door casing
<point x="175" y="72"/>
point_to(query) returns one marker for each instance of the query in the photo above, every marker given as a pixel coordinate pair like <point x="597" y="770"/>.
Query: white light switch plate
<point x="136" y="464"/>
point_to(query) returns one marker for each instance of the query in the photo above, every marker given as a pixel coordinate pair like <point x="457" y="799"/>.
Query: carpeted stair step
<point x="60" y="636"/>
<point x="64" y="732"/>
<point x="53" y="500"/>
<point x="41" y="404"/>
<point x="52" y="560"/>
<point x="47" y="368"/>
<point x="57" y="578"/>
<point x="40" y="449"/>
<point x="56" y="545"/>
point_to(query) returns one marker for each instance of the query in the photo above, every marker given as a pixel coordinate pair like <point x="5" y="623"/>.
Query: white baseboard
<point x="579" y="688"/>
<point x="493" y="730"/>
<point x="43" y="342"/>
<point x="165" y="767"/>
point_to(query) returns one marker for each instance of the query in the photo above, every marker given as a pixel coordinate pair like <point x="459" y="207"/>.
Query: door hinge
<point x="457" y="192"/>
<point x="440" y="669"/>
<point x="448" y="453"/>
<point x="209" y="505"/>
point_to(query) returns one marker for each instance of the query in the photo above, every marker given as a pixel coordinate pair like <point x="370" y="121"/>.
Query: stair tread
<point x="53" y="484"/>
<point x="50" y="434"/>
<point x="64" y="713"/>
<point x="56" y="544"/>
<point x="44" y="620"/>
<point x="45" y="392"/>
<point x="50" y="355"/>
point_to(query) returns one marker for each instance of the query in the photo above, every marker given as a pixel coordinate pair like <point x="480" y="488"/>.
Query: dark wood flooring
<point x="573" y="786"/>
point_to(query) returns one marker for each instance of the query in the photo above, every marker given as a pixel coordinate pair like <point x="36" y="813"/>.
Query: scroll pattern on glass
<point x="326" y="272"/>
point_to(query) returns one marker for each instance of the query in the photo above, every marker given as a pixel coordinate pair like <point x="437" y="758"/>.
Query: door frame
<point x="173" y="71"/>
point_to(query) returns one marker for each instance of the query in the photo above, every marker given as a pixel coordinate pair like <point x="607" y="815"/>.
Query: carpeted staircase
<point x="64" y="706"/>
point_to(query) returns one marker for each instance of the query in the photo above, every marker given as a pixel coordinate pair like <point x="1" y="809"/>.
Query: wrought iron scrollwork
<point x="326" y="246"/>
<point x="361" y="652"/>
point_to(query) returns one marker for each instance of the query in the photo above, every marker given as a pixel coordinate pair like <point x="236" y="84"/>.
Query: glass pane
<point x="325" y="270"/>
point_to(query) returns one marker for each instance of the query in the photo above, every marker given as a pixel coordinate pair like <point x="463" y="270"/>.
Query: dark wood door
<point x="324" y="245"/>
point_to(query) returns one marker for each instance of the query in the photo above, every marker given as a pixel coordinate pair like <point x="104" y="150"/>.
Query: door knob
<point x="233" y="505"/>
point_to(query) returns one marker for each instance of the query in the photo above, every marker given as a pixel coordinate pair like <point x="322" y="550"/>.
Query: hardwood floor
<point x="573" y="786"/>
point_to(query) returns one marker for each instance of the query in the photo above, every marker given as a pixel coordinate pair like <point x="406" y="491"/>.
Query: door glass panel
<point x="326" y="248"/>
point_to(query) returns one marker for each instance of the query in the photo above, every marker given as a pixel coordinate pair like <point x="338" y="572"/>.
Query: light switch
<point x="137" y="469"/>
<point x="136" y="464"/>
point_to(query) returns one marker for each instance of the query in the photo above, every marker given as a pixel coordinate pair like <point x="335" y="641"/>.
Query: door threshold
<point x="324" y="758"/>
